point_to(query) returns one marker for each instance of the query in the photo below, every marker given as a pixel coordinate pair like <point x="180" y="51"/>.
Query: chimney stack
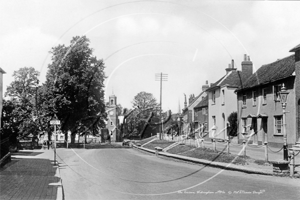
<point x="230" y="67"/>
<point x="247" y="66"/>
<point x="205" y="87"/>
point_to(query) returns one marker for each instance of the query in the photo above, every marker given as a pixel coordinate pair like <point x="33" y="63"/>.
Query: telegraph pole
<point x="161" y="77"/>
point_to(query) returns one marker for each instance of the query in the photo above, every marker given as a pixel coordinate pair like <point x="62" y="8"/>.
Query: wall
<point x="271" y="108"/>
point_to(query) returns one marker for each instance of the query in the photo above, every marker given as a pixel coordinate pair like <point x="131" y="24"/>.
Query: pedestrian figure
<point x="48" y="144"/>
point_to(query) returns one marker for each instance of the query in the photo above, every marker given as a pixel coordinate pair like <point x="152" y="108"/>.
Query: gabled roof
<point x="295" y="48"/>
<point x="232" y="79"/>
<point x="195" y="99"/>
<point x="203" y="102"/>
<point x="272" y="72"/>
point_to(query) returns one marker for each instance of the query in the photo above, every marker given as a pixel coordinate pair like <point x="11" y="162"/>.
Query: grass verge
<point x="201" y="153"/>
<point x="158" y="143"/>
<point x="144" y="141"/>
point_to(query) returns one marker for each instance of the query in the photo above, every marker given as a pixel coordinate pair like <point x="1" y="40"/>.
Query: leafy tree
<point x="144" y="105"/>
<point x="24" y="85"/>
<point x="74" y="87"/>
<point x="233" y="126"/>
<point x="144" y="100"/>
<point x="18" y="112"/>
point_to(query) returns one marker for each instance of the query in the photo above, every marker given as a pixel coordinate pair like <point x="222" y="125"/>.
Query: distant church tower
<point x="112" y="118"/>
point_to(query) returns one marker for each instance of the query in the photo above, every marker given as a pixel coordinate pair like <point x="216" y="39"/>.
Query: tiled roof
<point x="233" y="79"/>
<point x="203" y="102"/>
<point x="216" y="83"/>
<point x="295" y="48"/>
<point x="195" y="99"/>
<point x="271" y="72"/>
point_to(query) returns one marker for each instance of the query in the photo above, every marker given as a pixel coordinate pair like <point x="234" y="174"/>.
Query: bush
<point x="233" y="126"/>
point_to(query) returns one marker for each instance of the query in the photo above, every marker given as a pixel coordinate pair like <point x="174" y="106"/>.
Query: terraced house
<point x="189" y="114"/>
<point x="259" y="107"/>
<point x="222" y="99"/>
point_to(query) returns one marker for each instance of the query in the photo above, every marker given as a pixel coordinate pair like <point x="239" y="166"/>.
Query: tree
<point x="233" y="126"/>
<point x="144" y="105"/>
<point x="24" y="85"/>
<point x="75" y="87"/>
<point x="144" y="100"/>
<point x="19" y="111"/>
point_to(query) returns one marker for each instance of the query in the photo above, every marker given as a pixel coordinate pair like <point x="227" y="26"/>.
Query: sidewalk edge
<point x="227" y="166"/>
<point x="60" y="189"/>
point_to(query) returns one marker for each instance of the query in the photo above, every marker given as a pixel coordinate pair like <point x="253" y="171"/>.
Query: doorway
<point x="254" y="129"/>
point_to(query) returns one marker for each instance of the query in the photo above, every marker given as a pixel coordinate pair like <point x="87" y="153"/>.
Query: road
<point x="132" y="174"/>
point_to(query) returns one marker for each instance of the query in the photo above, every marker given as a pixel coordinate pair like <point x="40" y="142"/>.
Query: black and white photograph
<point x="149" y="99"/>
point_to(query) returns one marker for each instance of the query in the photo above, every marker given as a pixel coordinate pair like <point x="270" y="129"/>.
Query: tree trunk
<point x="73" y="138"/>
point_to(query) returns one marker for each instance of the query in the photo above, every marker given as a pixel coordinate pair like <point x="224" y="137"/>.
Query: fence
<point x="262" y="151"/>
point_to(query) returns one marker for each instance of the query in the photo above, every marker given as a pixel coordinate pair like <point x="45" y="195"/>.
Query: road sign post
<point x="55" y="122"/>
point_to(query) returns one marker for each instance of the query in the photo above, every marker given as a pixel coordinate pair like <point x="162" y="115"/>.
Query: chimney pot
<point x="245" y="57"/>
<point x="206" y="82"/>
<point x="248" y="58"/>
<point x="232" y="63"/>
<point x="229" y="65"/>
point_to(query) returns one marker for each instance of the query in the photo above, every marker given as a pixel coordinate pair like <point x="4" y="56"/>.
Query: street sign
<point x="54" y="122"/>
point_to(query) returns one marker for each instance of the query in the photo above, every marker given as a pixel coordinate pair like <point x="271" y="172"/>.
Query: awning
<point x="261" y="115"/>
<point x="251" y="116"/>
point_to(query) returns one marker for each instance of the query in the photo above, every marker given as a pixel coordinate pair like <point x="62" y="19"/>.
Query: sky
<point x="189" y="40"/>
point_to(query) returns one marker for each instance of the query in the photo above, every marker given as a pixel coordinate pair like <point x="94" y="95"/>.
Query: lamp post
<point x="283" y="98"/>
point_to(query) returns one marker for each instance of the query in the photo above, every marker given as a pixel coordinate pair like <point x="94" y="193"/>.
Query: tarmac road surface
<point x="131" y="174"/>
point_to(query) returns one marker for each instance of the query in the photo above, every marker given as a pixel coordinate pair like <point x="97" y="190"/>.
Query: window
<point x="244" y="125"/>
<point x="214" y="120"/>
<point x="223" y="97"/>
<point x="264" y="95"/>
<point x="278" y="125"/>
<point x="213" y="97"/>
<point x="277" y="89"/>
<point x="203" y="111"/>
<point x="254" y="98"/>
<point x="244" y="99"/>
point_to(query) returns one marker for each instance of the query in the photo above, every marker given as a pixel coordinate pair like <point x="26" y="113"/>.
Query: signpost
<point x="55" y="122"/>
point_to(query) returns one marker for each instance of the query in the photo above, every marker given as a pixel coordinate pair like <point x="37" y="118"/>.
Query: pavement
<point x="255" y="152"/>
<point x="31" y="175"/>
